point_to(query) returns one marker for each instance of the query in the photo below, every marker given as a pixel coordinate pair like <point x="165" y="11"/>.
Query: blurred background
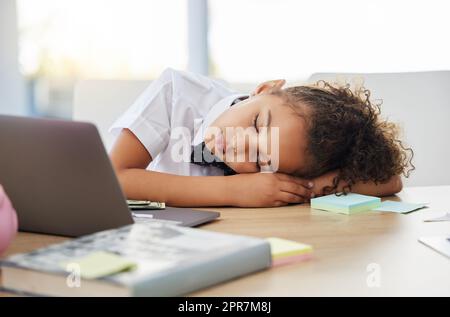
<point x="47" y="45"/>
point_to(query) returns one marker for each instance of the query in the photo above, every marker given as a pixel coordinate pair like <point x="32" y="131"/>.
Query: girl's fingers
<point x="279" y="203"/>
<point x="300" y="181"/>
<point x="296" y="189"/>
<point x="290" y="198"/>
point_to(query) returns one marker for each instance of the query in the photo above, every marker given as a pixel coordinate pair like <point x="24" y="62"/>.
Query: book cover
<point x="170" y="261"/>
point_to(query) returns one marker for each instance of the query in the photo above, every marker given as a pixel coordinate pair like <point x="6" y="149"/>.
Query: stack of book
<point x="151" y="259"/>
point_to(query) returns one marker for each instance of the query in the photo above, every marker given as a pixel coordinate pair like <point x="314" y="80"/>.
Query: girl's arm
<point x="130" y="160"/>
<point x="393" y="186"/>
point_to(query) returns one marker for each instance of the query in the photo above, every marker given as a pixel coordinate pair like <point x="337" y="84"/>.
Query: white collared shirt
<point x="176" y="101"/>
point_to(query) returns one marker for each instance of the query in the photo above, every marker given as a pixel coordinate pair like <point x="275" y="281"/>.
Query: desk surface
<point x="347" y="250"/>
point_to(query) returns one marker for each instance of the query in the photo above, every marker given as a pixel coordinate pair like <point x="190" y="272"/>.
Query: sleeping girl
<point x="189" y="140"/>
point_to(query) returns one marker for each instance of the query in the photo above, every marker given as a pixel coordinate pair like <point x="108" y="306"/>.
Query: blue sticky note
<point x="345" y="204"/>
<point x="398" y="206"/>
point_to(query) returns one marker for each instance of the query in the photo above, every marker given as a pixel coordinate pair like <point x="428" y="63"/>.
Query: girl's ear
<point x="269" y="86"/>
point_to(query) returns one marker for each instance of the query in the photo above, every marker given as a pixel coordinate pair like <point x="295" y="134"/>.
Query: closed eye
<point x="255" y="122"/>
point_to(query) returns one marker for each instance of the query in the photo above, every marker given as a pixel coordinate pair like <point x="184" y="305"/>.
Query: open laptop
<point x="61" y="181"/>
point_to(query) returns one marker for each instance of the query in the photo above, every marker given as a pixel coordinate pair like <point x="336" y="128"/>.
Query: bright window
<point x="101" y="38"/>
<point x="254" y="40"/>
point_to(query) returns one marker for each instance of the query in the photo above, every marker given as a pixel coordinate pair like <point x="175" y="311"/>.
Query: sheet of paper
<point x="399" y="206"/>
<point x="439" y="244"/>
<point x="145" y="205"/>
<point x="445" y="217"/>
<point x="100" y="264"/>
<point x="137" y="215"/>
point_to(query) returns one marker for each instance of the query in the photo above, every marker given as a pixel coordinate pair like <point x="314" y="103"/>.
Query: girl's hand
<point x="268" y="190"/>
<point x="391" y="187"/>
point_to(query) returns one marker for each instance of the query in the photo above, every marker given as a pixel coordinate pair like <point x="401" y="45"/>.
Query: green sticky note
<point x="284" y="248"/>
<point x="100" y="264"/>
<point x="398" y="206"/>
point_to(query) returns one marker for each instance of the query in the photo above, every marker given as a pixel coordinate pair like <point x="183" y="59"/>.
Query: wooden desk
<point x="344" y="248"/>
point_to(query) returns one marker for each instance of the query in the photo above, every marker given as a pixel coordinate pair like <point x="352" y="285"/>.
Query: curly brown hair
<point x="347" y="134"/>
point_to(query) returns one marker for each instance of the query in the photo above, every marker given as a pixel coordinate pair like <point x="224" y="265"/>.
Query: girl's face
<point x="261" y="133"/>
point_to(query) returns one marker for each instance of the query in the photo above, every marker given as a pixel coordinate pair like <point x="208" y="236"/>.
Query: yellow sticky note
<point x="100" y="264"/>
<point x="283" y="248"/>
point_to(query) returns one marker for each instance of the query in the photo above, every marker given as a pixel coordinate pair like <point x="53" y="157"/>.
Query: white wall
<point x="12" y="89"/>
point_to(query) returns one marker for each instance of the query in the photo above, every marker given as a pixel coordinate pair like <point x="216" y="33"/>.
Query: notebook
<point x="152" y="259"/>
<point x="346" y="204"/>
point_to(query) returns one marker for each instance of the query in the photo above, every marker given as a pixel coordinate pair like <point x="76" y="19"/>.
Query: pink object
<point x="8" y="221"/>
<point x="291" y="259"/>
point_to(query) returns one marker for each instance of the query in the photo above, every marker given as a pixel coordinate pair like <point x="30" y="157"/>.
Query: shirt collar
<point x="216" y="110"/>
